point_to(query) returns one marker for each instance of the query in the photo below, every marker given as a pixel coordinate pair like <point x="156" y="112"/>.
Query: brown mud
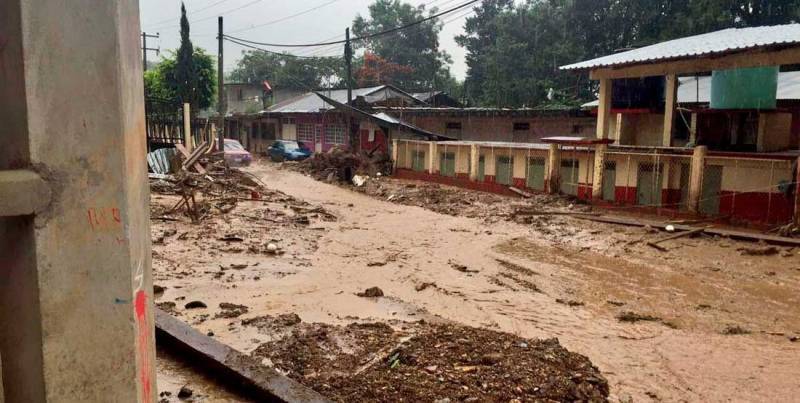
<point x="543" y="277"/>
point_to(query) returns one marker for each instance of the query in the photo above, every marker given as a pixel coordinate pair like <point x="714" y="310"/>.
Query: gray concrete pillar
<point x="75" y="287"/>
<point x="696" y="178"/>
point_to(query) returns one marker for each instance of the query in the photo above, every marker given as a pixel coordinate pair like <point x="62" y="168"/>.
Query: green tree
<point x="514" y="49"/>
<point x="162" y="82"/>
<point x="416" y="48"/>
<point x="287" y="72"/>
<point x="185" y="73"/>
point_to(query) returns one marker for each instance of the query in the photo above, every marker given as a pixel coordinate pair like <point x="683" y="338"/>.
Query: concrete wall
<point x="776" y="131"/>
<point x="76" y="297"/>
<point x="501" y="128"/>
<point x="749" y="184"/>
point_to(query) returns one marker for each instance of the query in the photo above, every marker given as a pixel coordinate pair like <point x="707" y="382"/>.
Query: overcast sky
<point x="280" y="25"/>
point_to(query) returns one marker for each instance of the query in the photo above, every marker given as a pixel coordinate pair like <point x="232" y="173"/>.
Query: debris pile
<point x="428" y="362"/>
<point x="339" y="165"/>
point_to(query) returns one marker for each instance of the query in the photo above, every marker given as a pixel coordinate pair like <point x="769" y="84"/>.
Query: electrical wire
<point x="213" y="16"/>
<point x="288" y="17"/>
<point x="272" y="52"/>
<point x="359" y="38"/>
<point x="161" y="22"/>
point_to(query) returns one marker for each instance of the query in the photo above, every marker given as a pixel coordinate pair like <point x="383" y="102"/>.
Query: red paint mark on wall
<point x="140" y="306"/>
<point x="104" y="218"/>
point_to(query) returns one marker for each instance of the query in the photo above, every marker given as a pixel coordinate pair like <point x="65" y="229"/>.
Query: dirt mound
<point x="426" y="362"/>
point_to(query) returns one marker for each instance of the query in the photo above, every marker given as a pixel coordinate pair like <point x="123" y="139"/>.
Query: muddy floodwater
<point x="702" y="321"/>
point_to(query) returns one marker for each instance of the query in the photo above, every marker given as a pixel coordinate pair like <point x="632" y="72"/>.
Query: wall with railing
<point x="740" y="188"/>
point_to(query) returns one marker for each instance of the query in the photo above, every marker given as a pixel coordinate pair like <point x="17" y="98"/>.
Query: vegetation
<point x="420" y="64"/>
<point x="514" y="50"/>
<point x="162" y="81"/>
<point x="187" y="76"/>
<point x="287" y="72"/>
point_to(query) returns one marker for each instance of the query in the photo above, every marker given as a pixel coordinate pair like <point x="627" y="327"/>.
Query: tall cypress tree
<point x="185" y="73"/>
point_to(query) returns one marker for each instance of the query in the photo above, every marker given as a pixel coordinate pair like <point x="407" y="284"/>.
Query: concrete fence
<point x="745" y="188"/>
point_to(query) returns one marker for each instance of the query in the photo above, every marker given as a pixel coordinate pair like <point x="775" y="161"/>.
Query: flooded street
<point x="699" y="322"/>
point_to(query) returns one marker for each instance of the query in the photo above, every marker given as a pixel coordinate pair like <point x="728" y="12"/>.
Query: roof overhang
<point x="577" y="141"/>
<point x="718" y="50"/>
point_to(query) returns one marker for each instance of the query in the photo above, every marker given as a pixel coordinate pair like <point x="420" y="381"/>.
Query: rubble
<point x="429" y="362"/>
<point x="340" y="165"/>
<point x="372" y="292"/>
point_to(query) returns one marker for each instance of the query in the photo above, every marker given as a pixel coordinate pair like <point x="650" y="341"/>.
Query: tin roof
<point x="713" y="43"/>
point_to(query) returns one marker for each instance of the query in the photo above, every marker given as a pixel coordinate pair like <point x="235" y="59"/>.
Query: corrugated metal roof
<point x="310" y="102"/>
<point x="724" y="41"/>
<point x="690" y="87"/>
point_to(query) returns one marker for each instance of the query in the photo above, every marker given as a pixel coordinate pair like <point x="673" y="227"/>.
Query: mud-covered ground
<point x="703" y="321"/>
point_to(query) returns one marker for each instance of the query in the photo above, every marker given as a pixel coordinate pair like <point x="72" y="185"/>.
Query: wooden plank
<point x="197" y="167"/>
<point x="231" y="365"/>
<point x="733" y="234"/>
<point x="655" y="244"/>
<point x="520" y="192"/>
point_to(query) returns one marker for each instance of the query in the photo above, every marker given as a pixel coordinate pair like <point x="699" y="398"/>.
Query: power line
<point x="288" y="17"/>
<point x="364" y="37"/>
<point x="270" y="51"/>
<point x="161" y="22"/>
<point x="213" y="16"/>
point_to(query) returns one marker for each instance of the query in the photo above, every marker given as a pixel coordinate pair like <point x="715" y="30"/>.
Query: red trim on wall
<point x="750" y="208"/>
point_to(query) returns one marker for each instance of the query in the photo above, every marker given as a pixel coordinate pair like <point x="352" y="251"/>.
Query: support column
<point x="432" y="157"/>
<point x="696" y="178"/>
<point x="394" y="154"/>
<point x="604" y="108"/>
<point x="618" y="129"/>
<point x="76" y="317"/>
<point x="599" y="170"/>
<point x="187" y="127"/>
<point x="693" y="129"/>
<point x="473" y="162"/>
<point x="553" y="168"/>
<point x="797" y="193"/>
<point x="671" y="92"/>
<point x="762" y="125"/>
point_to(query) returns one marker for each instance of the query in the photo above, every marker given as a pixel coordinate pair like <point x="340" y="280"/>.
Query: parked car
<point x="235" y="154"/>
<point x="288" y="150"/>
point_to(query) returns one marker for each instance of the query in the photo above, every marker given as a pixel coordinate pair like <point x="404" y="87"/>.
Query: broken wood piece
<point x="224" y="362"/>
<point x="520" y="192"/>
<point x="734" y="234"/>
<point x="655" y="244"/>
<point x="197" y="167"/>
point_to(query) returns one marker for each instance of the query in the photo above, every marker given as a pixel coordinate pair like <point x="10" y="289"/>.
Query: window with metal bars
<point x="334" y="134"/>
<point x="305" y="132"/>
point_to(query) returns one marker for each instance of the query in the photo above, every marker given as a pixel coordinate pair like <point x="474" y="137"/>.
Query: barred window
<point x="305" y="132"/>
<point x="334" y="134"/>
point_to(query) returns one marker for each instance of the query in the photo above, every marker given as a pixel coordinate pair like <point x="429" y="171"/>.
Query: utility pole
<point x="220" y="92"/>
<point x="145" y="35"/>
<point x="348" y="55"/>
